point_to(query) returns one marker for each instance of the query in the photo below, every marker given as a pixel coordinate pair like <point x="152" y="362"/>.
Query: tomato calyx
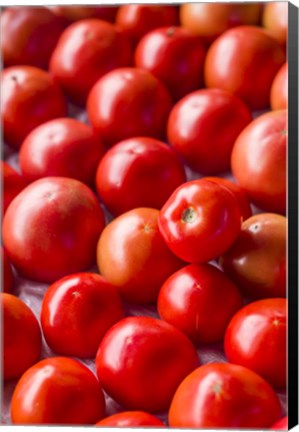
<point x="170" y="31"/>
<point x="189" y="215"/>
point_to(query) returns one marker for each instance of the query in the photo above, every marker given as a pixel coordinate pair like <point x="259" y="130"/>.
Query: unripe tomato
<point x="279" y="89"/>
<point x="13" y="183"/>
<point x="131" y="419"/>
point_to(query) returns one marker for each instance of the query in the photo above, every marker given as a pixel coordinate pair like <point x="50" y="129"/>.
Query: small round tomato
<point x="86" y="51"/>
<point x="13" y="183"/>
<point x="275" y="19"/>
<point x="22" y="340"/>
<point x="128" y="102"/>
<point x="256" y="338"/>
<point x="223" y="395"/>
<point x="258" y="161"/>
<point x="29" y="97"/>
<point x="8" y="277"/>
<point x="62" y="147"/>
<point x="131" y="419"/>
<point x="79" y="12"/>
<point x="142" y="360"/>
<point x="240" y="55"/>
<point x="203" y="126"/>
<point x="52" y="227"/>
<point x="57" y="390"/>
<point x="279" y="89"/>
<point x="256" y="262"/>
<point x="138" y="172"/>
<point x="281" y="424"/>
<point x="133" y="256"/>
<point x="200" y="221"/>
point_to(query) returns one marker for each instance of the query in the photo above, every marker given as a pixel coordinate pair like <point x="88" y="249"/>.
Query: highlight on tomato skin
<point x="281" y="424"/>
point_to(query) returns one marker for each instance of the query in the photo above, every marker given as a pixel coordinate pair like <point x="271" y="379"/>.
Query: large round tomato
<point x="57" y="390"/>
<point x="79" y="12"/>
<point x="13" y="183"/>
<point x="142" y="360"/>
<point x="223" y="395"/>
<point x="8" y="277"/>
<point x="130" y="419"/>
<point x="279" y="89"/>
<point x="275" y="19"/>
<point x="256" y="338"/>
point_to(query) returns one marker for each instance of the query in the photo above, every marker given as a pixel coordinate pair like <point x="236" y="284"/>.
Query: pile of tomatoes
<point x="144" y="215"/>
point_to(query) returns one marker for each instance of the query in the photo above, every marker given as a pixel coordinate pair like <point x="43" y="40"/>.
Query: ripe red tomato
<point x="279" y="89"/>
<point x="13" y="183"/>
<point x="281" y="424"/>
<point x="57" y="390"/>
<point x="256" y="338"/>
<point x="133" y="256"/>
<point x="275" y="19"/>
<point x="8" y="277"/>
<point x="238" y="57"/>
<point x="138" y="172"/>
<point x="52" y="227"/>
<point x="142" y="360"/>
<point x="128" y="102"/>
<point x="175" y="56"/>
<point x="29" y="97"/>
<point x="200" y="221"/>
<point x="75" y="13"/>
<point x="131" y="419"/>
<point x="258" y="161"/>
<point x="256" y="262"/>
<point x="21" y="337"/>
<point x="86" y="51"/>
<point x="203" y="127"/>
<point x="62" y="147"/>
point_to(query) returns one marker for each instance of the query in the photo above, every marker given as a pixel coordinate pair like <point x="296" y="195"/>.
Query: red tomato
<point x="192" y="300"/>
<point x="52" y="227"/>
<point x="279" y="89"/>
<point x="62" y="147"/>
<point x="29" y="97"/>
<point x="13" y="183"/>
<point x="200" y="221"/>
<point x="133" y="256"/>
<point x="131" y="419"/>
<point x="75" y="13"/>
<point x="275" y="19"/>
<point x="203" y="127"/>
<point x="281" y="424"/>
<point x="86" y="51"/>
<point x="258" y="161"/>
<point x="29" y="35"/>
<point x="138" y="172"/>
<point x="238" y="57"/>
<point x="256" y="262"/>
<point x="21" y="337"/>
<point x="57" y="390"/>
<point x="175" y="56"/>
<point x="142" y="360"/>
<point x="128" y="102"/>
<point x="256" y="338"/>
<point x="223" y="395"/>
<point x="8" y="277"/>
<point x="76" y="313"/>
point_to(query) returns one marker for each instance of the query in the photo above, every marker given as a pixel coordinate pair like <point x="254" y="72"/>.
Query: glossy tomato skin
<point x="281" y="424"/>
<point x="8" y="277"/>
<point x="192" y="130"/>
<point x="29" y="97"/>
<point x="58" y="234"/>
<point x="223" y="395"/>
<point x="21" y="337"/>
<point x="258" y="161"/>
<point x="237" y="57"/>
<point x="279" y="89"/>
<point x="61" y="390"/>
<point x="175" y="56"/>
<point x="128" y="102"/>
<point x="138" y="172"/>
<point x="131" y="419"/>
<point x="200" y="220"/>
<point x="13" y="183"/>
<point x="275" y="20"/>
<point x="77" y="310"/>
<point x="149" y="358"/>
<point x="76" y="13"/>
<point x="256" y="262"/>
<point x="256" y="338"/>
<point x="132" y="255"/>
<point x="86" y="51"/>
<point x="62" y="147"/>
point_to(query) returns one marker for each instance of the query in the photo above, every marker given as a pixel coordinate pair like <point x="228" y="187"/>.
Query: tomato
<point x="13" y="183"/>
<point x="128" y="102"/>
<point x="203" y="126"/>
<point x="29" y="35"/>
<point x="131" y="419"/>
<point x="275" y="19"/>
<point x="29" y="97"/>
<point x="200" y="221"/>
<point x="21" y="337"/>
<point x="175" y="56"/>
<point x="57" y="390"/>
<point x="258" y="161"/>
<point x="62" y="147"/>
<point x="257" y="259"/>
<point x="256" y="338"/>
<point x="238" y="57"/>
<point x="149" y="358"/>
<point x="8" y="277"/>
<point x="279" y="89"/>
<point x="79" y="12"/>
<point x="138" y="172"/>
<point x="192" y="300"/>
<point x="133" y="256"/>
<point x="223" y="395"/>
<point x="281" y="424"/>
<point x="51" y="228"/>
<point x="77" y="311"/>
<point x="86" y="51"/>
